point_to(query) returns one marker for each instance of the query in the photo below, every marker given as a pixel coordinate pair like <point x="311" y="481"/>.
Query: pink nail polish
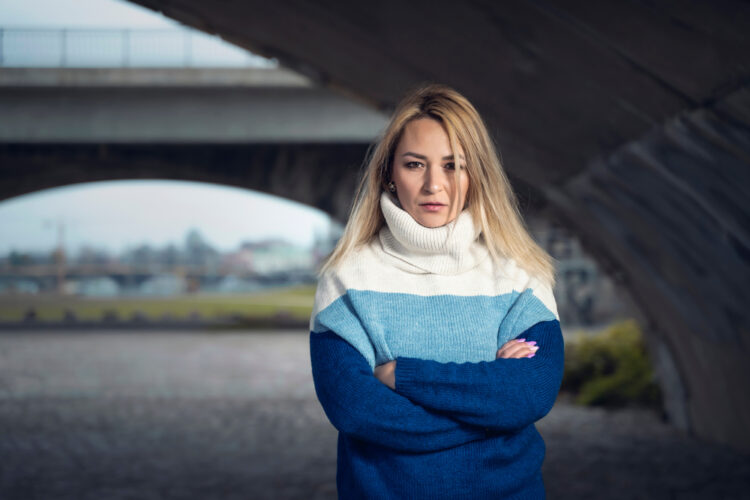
<point x="520" y="340"/>
<point x="531" y="355"/>
<point x="531" y="342"/>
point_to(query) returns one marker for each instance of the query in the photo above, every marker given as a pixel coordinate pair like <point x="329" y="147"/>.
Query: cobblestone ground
<point x="192" y="415"/>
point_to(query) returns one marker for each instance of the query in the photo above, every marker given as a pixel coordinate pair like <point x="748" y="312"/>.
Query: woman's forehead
<point x="426" y="137"/>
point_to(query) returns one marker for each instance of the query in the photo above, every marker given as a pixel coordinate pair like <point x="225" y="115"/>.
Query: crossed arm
<point x="436" y="405"/>
<point x="501" y="395"/>
<point x="359" y="405"/>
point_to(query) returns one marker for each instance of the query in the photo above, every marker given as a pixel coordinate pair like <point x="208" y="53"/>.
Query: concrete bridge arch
<point x="630" y="120"/>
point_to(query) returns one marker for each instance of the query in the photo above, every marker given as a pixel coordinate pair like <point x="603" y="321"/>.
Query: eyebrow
<point x="423" y="157"/>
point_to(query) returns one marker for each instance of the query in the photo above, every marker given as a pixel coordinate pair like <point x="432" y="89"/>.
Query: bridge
<point x="68" y="125"/>
<point x="626" y="121"/>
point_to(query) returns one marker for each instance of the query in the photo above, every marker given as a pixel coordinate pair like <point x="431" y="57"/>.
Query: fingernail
<point x="520" y="340"/>
<point x="531" y="342"/>
<point x="531" y="355"/>
<point x="535" y="347"/>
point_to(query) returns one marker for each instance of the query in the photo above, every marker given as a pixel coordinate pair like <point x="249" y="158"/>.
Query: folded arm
<point x="360" y="406"/>
<point x="506" y="394"/>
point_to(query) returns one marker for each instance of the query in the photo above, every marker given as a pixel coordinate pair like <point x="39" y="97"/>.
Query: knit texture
<point x="460" y="423"/>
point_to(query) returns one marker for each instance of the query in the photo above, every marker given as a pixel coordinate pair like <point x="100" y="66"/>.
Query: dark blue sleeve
<point x="361" y="406"/>
<point x="506" y="394"/>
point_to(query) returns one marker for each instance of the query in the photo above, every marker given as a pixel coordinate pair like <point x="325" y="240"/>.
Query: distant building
<point x="236" y="284"/>
<point x="324" y="243"/>
<point x="269" y="257"/>
<point x="240" y="261"/>
<point x="164" y="284"/>
<point x="98" y="287"/>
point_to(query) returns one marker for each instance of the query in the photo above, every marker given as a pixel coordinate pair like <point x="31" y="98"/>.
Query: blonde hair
<point x="490" y="198"/>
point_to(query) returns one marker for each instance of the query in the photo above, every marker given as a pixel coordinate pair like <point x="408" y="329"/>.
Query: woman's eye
<point x="413" y="164"/>
<point x="450" y="166"/>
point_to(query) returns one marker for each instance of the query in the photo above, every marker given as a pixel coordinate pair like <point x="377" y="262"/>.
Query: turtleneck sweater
<point x="449" y="249"/>
<point x="459" y="423"/>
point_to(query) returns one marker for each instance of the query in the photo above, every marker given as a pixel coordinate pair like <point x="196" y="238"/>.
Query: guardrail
<point x="121" y="48"/>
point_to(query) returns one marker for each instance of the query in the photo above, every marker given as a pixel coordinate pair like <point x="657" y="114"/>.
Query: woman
<point x="434" y="339"/>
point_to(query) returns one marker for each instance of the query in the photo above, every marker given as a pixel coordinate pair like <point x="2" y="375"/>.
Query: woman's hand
<point x="517" y="348"/>
<point x="386" y="373"/>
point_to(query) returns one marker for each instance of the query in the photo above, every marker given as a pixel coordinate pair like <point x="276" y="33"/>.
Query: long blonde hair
<point x="490" y="198"/>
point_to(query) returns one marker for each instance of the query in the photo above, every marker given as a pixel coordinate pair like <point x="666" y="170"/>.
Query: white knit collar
<point x="430" y="250"/>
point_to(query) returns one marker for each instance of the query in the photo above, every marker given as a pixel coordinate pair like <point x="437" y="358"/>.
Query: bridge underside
<point x="630" y="121"/>
<point x="632" y="118"/>
<point x="319" y="175"/>
<point x="182" y="105"/>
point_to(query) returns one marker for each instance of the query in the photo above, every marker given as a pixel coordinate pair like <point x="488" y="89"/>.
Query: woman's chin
<point x="432" y="222"/>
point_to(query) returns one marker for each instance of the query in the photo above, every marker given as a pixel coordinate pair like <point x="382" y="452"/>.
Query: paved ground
<point x="191" y="415"/>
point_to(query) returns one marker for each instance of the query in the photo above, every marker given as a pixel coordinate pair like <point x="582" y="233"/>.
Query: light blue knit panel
<point x="384" y="325"/>
<point x="526" y="311"/>
<point x="341" y="318"/>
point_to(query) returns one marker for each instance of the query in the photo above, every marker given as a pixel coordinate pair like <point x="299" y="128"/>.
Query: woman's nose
<point x="433" y="179"/>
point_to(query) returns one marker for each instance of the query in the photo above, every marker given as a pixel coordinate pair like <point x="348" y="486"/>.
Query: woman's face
<point x="423" y="172"/>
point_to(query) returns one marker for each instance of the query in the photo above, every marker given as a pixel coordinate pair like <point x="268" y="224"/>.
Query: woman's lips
<point x="432" y="207"/>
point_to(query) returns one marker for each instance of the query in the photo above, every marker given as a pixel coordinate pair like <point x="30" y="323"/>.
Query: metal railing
<point x="121" y="48"/>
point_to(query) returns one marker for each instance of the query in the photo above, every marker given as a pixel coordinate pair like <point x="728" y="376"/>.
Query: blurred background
<point x="173" y="173"/>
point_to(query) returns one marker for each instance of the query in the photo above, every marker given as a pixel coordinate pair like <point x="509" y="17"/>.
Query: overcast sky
<point x="116" y="214"/>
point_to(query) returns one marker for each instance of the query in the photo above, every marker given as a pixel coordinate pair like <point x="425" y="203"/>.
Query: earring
<point x="392" y="187"/>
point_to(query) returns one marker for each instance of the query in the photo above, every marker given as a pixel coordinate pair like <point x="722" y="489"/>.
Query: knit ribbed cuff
<point x="407" y="377"/>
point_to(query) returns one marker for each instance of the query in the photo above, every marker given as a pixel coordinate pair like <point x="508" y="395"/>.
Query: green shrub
<point x="611" y="369"/>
